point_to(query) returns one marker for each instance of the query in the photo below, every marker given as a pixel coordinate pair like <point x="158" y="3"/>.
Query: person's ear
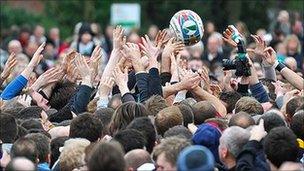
<point x="225" y="152"/>
<point x="130" y="169"/>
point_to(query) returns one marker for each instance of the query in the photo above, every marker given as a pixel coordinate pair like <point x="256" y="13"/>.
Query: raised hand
<point x="269" y="56"/>
<point x="260" y="46"/>
<point x="34" y="62"/>
<point x="105" y="86"/>
<point x="25" y="100"/>
<point x="149" y="48"/>
<point x="37" y="56"/>
<point x="50" y="76"/>
<point x="258" y="131"/>
<point x="172" y="47"/>
<point x="205" y="79"/>
<point x="132" y="53"/>
<point x="118" y="38"/>
<point x="190" y="80"/>
<point x="84" y="70"/>
<point x="9" y="65"/>
<point x="227" y="36"/>
<point x="95" y="61"/>
<point x="121" y="79"/>
<point x="68" y="60"/>
<point x="160" y="38"/>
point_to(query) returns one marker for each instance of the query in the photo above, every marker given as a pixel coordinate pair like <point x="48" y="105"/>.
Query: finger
<point x="148" y="40"/>
<point x="40" y="48"/>
<point x="261" y="123"/>
<point x="229" y="32"/>
<point x="12" y="56"/>
<point x="254" y="38"/>
<point x="250" y="50"/>
<point x="225" y="35"/>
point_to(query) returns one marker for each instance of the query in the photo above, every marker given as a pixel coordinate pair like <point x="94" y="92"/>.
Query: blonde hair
<point x="73" y="154"/>
<point x="295" y="38"/>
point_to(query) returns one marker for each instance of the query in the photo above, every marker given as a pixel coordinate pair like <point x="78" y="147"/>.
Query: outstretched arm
<point x="16" y="86"/>
<point x="292" y="77"/>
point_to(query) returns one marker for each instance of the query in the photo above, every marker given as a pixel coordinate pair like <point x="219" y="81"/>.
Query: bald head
<point x="241" y="119"/>
<point x="136" y="158"/>
<point x="14" y="46"/>
<point x="20" y="163"/>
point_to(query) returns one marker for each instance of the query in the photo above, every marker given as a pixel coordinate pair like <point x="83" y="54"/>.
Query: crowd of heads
<point x="117" y="100"/>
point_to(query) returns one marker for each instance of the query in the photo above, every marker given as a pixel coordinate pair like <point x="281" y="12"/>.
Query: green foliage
<point x="66" y="13"/>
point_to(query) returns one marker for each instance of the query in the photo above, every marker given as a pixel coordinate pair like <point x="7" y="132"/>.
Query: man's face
<point x="162" y="164"/>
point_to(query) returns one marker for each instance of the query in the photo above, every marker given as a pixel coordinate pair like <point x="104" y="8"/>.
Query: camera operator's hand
<point x="227" y="37"/>
<point x="269" y="56"/>
<point x="260" y="46"/>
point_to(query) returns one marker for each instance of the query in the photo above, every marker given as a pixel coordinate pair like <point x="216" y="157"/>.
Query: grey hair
<point x="234" y="138"/>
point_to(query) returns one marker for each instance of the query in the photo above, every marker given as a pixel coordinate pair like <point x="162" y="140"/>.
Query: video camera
<point x="240" y="63"/>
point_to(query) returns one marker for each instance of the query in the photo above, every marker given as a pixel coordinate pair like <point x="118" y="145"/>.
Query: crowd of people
<point x="119" y="101"/>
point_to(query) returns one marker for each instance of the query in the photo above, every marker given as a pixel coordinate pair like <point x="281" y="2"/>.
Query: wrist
<point x="123" y="89"/>
<point x="87" y="81"/>
<point x="279" y="67"/>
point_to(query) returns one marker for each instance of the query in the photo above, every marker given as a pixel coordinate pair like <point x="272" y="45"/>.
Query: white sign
<point x="126" y="15"/>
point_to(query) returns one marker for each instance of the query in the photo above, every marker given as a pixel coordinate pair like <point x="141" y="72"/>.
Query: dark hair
<point x="130" y="139"/>
<point x="25" y="147"/>
<point x="292" y="105"/>
<point x="87" y="126"/>
<point x="107" y="156"/>
<point x="56" y="143"/>
<point x="179" y="131"/>
<point x="187" y="113"/>
<point x="272" y="120"/>
<point x="146" y="127"/>
<point x="8" y="128"/>
<point x="61" y="94"/>
<point x="297" y="124"/>
<point x="241" y="119"/>
<point x="32" y="123"/>
<point x="114" y="98"/>
<point x="281" y="145"/>
<point x="21" y="132"/>
<point x="203" y="110"/>
<point x="30" y="112"/>
<point x="230" y="98"/>
<point x="155" y="104"/>
<point x="105" y="115"/>
<point x="42" y="144"/>
<point x="124" y="115"/>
